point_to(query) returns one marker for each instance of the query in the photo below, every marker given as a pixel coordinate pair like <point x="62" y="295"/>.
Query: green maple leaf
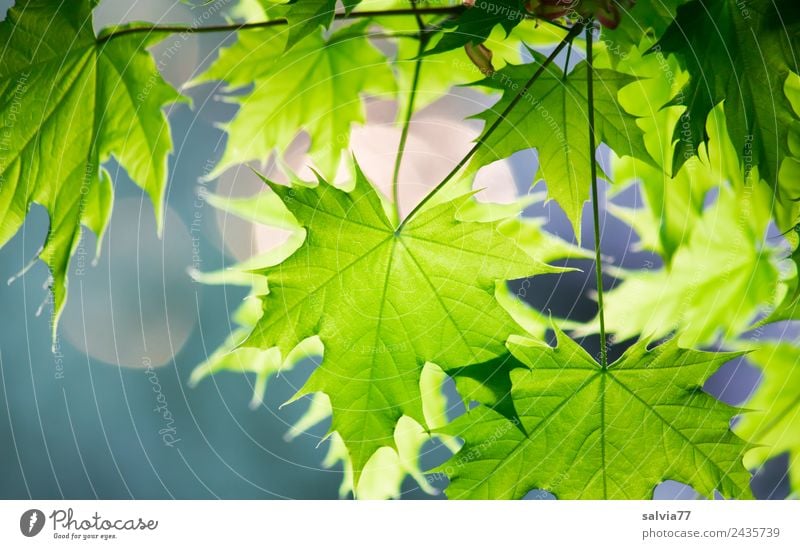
<point x="585" y="432"/>
<point x="387" y="469"/>
<point x="553" y="119"/>
<point x="315" y="87"/>
<point x="384" y="300"/>
<point x="721" y="271"/>
<point x="717" y="283"/>
<point x="476" y="23"/>
<point x="672" y="205"/>
<point x="68" y="103"/>
<point x="773" y="422"/>
<point x="742" y="55"/>
<point x="385" y="472"/>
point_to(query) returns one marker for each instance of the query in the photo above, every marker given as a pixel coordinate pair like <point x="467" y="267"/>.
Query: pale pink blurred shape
<point x="438" y="138"/>
<point x="137" y="306"/>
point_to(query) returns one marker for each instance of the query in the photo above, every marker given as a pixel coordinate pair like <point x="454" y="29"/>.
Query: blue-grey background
<point x="81" y="423"/>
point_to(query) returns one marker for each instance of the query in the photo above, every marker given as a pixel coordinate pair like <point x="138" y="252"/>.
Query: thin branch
<point x="170" y="29"/>
<point x="598" y="268"/>
<point x="401" y="147"/>
<point x="411" y="35"/>
<point x="573" y="32"/>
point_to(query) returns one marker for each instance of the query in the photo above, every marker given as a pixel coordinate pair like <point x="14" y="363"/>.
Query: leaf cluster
<point x="702" y="123"/>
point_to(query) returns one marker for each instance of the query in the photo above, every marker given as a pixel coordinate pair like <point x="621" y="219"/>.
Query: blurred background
<point x="107" y="412"/>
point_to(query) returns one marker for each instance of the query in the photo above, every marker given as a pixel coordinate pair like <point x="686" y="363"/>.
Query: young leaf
<point x="552" y="118"/>
<point x="717" y="284"/>
<point x="773" y="425"/>
<point x="672" y="205"/>
<point x="742" y="54"/>
<point x="315" y="87"/>
<point x="69" y="102"/>
<point x="591" y="433"/>
<point x="384" y="301"/>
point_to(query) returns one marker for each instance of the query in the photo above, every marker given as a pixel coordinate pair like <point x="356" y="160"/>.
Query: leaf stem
<point x="401" y="147"/>
<point x="566" y="63"/>
<point x="573" y="32"/>
<point x="595" y="203"/>
<point x="447" y="10"/>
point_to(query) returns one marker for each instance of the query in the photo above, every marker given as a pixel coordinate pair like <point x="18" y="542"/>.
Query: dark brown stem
<point x="170" y="29"/>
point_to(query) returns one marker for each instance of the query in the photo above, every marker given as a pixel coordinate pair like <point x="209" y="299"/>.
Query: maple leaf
<point x="386" y="470"/>
<point x="384" y="300"/>
<point x="552" y="117"/>
<point x="721" y="271"/>
<point x="69" y="102"/>
<point x="315" y="87"/>
<point x="742" y="55"/>
<point x="717" y="283"/>
<point x="585" y="432"/>
<point x="772" y="422"/>
<point x="672" y="205"/>
<point x="488" y="383"/>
